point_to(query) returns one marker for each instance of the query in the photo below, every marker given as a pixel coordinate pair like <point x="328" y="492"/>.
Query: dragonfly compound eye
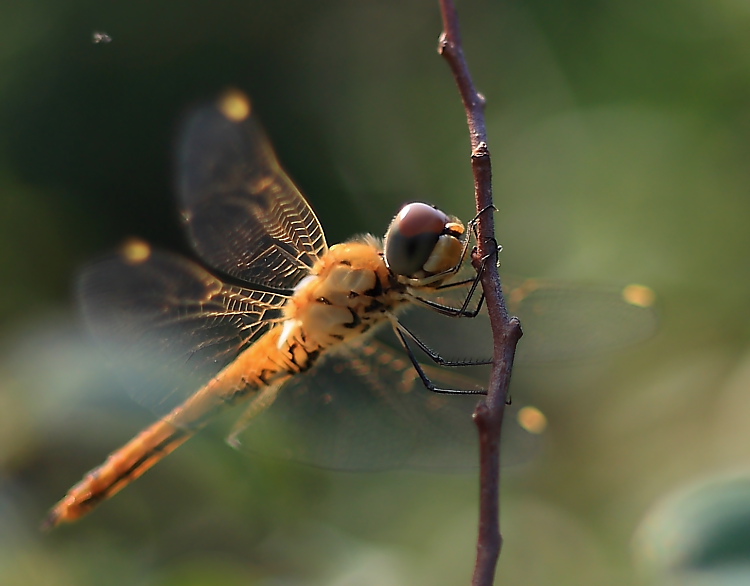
<point x="412" y="237"/>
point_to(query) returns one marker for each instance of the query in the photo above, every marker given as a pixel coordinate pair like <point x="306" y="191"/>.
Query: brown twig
<point x="506" y="330"/>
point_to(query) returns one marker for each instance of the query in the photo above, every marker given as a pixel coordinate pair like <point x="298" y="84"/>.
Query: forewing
<point x="167" y="324"/>
<point x="560" y="321"/>
<point x="243" y="214"/>
<point x="364" y="408"/>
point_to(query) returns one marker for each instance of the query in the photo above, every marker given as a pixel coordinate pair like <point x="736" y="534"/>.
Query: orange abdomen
<point x="258" y="366"/>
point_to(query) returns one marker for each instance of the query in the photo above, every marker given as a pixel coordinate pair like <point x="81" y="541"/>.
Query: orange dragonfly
<point x="287" y="312"/>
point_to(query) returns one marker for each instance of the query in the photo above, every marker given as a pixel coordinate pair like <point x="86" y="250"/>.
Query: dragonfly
<point x="284" y="325"/>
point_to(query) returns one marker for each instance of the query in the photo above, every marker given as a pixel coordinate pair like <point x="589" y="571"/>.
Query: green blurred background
<point x="620" y="134"/>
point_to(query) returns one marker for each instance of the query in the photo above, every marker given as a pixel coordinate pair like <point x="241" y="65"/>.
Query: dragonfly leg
<point x="449" y="311"/>
<point x="464" y="310"/>
<point x="259" y="404"/>
<point x="434" y="356"/>
<point x="426" y="381"/>
<point x="472" y="225"/>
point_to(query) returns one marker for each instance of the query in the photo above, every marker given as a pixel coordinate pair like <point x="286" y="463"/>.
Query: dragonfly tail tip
<point x="50" y="521"/>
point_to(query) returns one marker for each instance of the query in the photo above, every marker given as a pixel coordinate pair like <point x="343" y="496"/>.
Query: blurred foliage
<point x="620" y="133"/>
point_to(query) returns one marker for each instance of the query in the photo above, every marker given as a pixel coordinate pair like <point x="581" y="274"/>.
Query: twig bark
<point x="506" y="330"/>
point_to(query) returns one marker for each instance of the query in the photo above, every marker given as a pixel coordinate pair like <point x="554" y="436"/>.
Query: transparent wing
<point x="561" y="321"/>
<point x="168" y="324"/>
<point x="243" y="214"/>
<point x="364" y="408"/>
<point x="566" y="321"/>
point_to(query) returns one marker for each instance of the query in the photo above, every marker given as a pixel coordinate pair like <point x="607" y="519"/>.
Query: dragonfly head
<point x="423" y="242"/>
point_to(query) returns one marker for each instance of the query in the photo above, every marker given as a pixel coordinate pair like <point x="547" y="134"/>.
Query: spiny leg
<point x="423" y="376"/>
<point x="402" y="332"/>
<point x="434" y="356"/>
<point x="462" y="311"/>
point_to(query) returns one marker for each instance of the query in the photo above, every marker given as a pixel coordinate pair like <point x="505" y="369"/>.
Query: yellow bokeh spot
<point x="135" y="251"/>
<point x="518" y="294"/>
<point x="235" y="105"/>
<point x="532" y="420"/>
<point x="639" y="295"/>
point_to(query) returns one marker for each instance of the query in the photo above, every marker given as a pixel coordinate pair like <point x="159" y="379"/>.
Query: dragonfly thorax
<point x="349" y="290"/>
